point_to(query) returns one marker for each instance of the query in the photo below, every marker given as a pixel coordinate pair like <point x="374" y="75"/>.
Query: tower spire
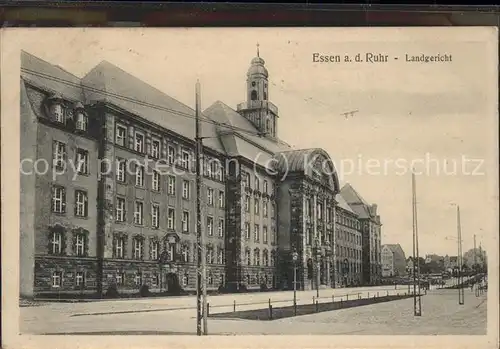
<point x="258" y="54"/>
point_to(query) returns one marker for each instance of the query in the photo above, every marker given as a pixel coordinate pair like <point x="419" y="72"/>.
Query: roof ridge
<point x="51" y="64"/>
<point x="122" y="71"/>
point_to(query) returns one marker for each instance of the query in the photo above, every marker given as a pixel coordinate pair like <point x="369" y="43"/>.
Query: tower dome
<point x="257" y="66"/>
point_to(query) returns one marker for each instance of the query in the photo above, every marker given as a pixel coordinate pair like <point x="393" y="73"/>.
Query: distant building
<point x="371" y="234"/>
<point x="450" y="262"/>
<point x="393" y="260"/>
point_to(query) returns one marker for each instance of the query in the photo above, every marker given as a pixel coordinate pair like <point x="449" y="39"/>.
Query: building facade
<point x="393" y="260"/>
<point x="371" y="234"/>
<point x="116" y="204"/>
<point x="348" y="246"/>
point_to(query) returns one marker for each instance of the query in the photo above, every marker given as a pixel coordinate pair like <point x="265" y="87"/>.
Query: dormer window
<point x="56" y="108"/>
<point x="81" y="117"/>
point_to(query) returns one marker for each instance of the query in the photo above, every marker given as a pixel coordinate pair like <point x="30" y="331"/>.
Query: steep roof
<point x="50" y="77"/>
<point x="240" y="137"/>
<point x="352" y="198"/>
<point x="343" y="204"/>
<point x="396" y="249"/>
<point x="108" y="83"/>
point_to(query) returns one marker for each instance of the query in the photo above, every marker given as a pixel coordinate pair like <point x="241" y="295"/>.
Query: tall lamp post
<point x="295" y="257"/>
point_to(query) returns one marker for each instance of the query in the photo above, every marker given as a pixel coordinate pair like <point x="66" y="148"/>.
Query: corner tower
<point x="257" y="109"/>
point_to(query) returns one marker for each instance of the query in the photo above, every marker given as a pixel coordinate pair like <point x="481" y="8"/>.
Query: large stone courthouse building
<point x="101" y="211"/>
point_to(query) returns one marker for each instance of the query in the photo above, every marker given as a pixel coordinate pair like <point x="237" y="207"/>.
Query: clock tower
<point x="257" y="109"/>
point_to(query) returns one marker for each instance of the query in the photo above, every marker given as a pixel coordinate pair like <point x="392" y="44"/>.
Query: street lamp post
<point x="295" y="257"/>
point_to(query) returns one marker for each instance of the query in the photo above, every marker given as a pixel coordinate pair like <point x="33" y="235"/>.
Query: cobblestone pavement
<point x="441" y="315"/>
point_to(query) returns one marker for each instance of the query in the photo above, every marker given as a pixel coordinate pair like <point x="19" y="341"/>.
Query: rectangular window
<point x="120" y="278"/>
<point x="56" y="243"/>
<point x="246" y="179"/>
<point x="155" y="148"/>
<point x="247" y="203"/>
<point x="120" y="209"/>
<point x="155" y="181"/>
<point x="247" y="230"/>
<point x="256" y="233"/>
<point x="137" y="248"/>
<point x="210" y="196"/>
<point x="171" y="154"/>
<point x="265" y="187"/>
<point x="264" y="234"/>
<point x="82" y="161"/>
<point x="80" y="244"/>
<point x="171" y="219"/>
<point x="139" y="142"/>
<point x="59" y="154"/>
<point x="81" y="203"/>
<point x="221" y="199"/>
<point x="185" y="159"/>
<point x="58" y="112"/>
<point x="139" y="176"/>
<point x="221" y="227"/>
<point x="119" y="247"/>
<point x="121" y="166"/>
<point x="81" y="121"/>
<point x="256" y="205"/>
<point x="138" y="279"/>
<point x="264" y="207"/>
<point x="121" y="135"/>
<point x="210" y="226"/>
<point x="257" y="183"/>
<point x="57" y="279"/>
<point x="155" y="216"/>
<point x="185" y="189"/>
<point x="58" y="199"/>
<point x="171" y="185"/>
<point x="154" y="250"/>
<point x="185" y="221"/>
<point x="138" y="212"/>
<point x="80" y="279"/>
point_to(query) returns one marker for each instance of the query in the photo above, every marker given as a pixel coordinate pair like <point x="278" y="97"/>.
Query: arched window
<point x="253" y="95"/>
<point x="265" y="96"/>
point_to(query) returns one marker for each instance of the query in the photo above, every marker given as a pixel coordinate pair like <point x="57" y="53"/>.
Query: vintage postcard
<point x="300" y="187"/>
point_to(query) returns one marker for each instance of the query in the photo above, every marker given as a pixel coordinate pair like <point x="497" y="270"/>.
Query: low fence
<point x="316" y="302"/>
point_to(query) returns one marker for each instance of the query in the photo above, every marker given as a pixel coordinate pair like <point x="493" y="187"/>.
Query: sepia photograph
<point x="265" y="181"/>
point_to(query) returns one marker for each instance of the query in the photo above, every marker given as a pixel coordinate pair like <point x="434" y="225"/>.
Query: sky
<point x="440" y="118"/>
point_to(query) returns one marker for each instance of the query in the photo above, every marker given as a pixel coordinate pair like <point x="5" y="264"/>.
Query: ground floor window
<point x="80" y="279"/>
<point x="138" y="279"/>
<point x="185" y="279"/>
<point x="120" y="278"/>
<point x="57" y="279"/>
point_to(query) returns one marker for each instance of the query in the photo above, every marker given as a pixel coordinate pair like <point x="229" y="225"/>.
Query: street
<point x="441" y="315"/>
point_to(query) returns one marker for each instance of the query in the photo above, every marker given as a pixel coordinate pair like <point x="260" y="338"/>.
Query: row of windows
<point x="266" y="261"/>
<point x="245" y="177"/>
<point x="60" y="158"/>
<point x="62" y="113"/>
<point x="211" y="167"/>
<point x="256" y="234"/>
<point x="320" y="212"/>
<point x="323" y="238"/>
<point x="138" y="217"/>
<point x="347" y="252"/>
<point x="256" y="206"/>
<point x="348" y="222"/>
<point x="57" y="241"/>
<point x="57" y="279"/>
<point x="59" y="201"/>
<point x="172" y="251"/>
<point x="348" y="236"/>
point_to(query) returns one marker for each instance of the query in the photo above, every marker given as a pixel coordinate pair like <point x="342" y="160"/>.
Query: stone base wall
<point x="67" y="267"/>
